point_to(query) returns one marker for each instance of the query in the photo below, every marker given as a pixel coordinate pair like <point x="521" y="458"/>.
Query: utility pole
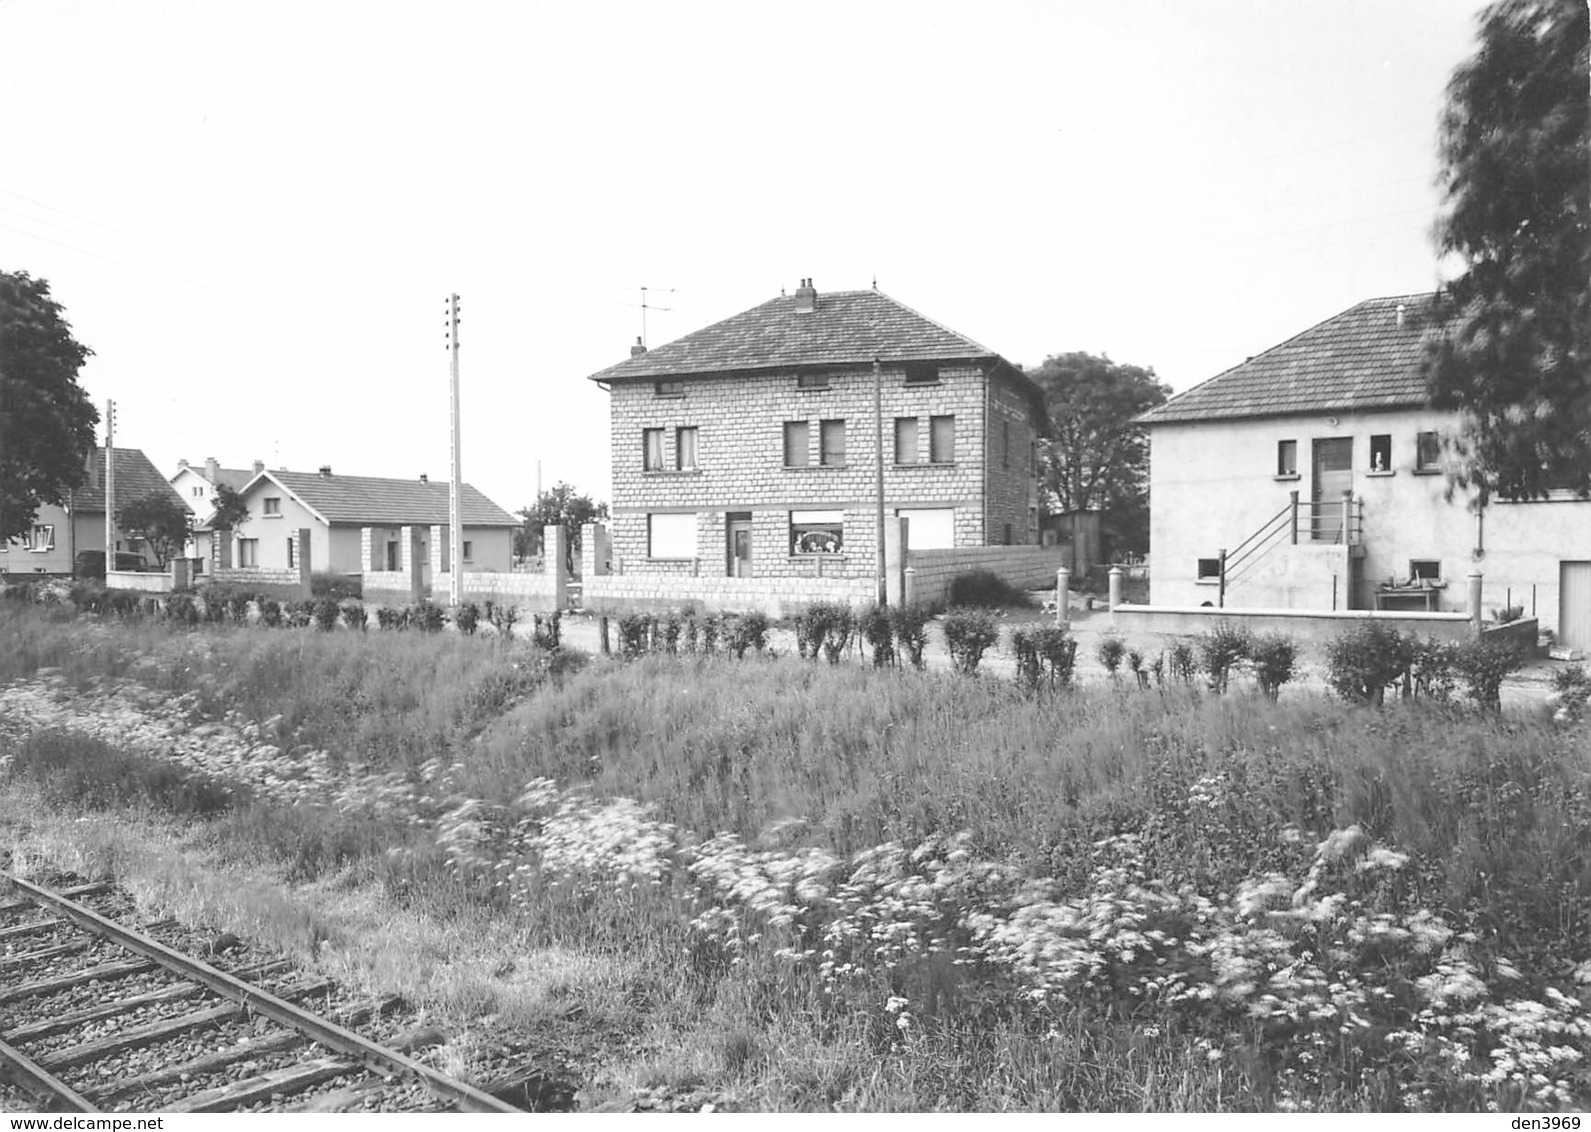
<point x="110" y="487"/>
<point x="455" y="587"/>
<point x="878" y="447"/>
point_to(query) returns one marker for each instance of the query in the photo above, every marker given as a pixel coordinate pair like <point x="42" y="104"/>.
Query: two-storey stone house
<point x="749" y="449"/>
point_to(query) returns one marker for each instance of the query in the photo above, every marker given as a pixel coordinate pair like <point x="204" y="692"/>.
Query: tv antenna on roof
<point x="646" y="306"/>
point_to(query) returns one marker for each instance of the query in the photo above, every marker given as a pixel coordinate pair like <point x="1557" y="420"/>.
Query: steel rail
<point x="327" y="1033"/>
<point x="42" y="1080"/>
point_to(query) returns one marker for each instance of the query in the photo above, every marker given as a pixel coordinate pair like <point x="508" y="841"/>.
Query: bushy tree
<point x="561" y="504"/>
<point x="1513" y="351"/>
<point x="231" y="512"/>
<point x="46" y="419"/>
<point x="1097" y="457"/>
<point x="161" y="520"/>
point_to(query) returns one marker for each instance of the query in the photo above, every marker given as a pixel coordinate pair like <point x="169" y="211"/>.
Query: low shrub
<point x="872" y="624"/>
<point x="325" y="612"/>
<point x="88" y="597"/>
<point x="428" y="617"/>
<point x="1483" y="663"/>
<point x="390" y="618"/>
<point x="712" y="628"/>
<point x="467" y="617"/>
<point x="984" y="589"/>
<point x="825" y="626"/>
<point x="1135" y="665"/>
<point x="1046" y="656"/>
<point x="300" y="614"/>
<point x="1275" y="660"/>
<point x="270" y="612"/>
<point x="354" y="615"/>
<point x="635" y="635"/>
<point x="1433" y="670"/>
<point x="1571" y="692"/>
<point x="1111" y="650"/>
<point x="181" y="609"/>
<point x="1362" y="662"/>
<point x="969" y="633"/>
<point x="909" y="624"/>
<point x="547" y="630"/>
<point x="1182" y="661"/>
<point x="503" y="618"/>
<point x="1222" y="649"/>
<point x="747" y="631"/>
<point x="671" y="627"/>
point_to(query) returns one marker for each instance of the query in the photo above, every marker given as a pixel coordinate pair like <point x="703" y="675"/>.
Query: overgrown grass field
<point x="839" y="887"/>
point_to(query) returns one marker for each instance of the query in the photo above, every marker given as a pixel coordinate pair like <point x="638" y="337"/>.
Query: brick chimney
<point x="325" y="471"/>
<point x="182" y="464"/>
<point x="424" y="478"/>
<point x="638" y="349"/>
<point x="806" y="297"/>
<point x="259" y="466"/>
<point x="212" y="469"/>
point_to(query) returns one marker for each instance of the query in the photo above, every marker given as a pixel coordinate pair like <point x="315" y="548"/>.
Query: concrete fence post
<point x="305" y="567"/>
<point x="1063" y="589"/>
<point x="908" y="585"/>
<point x="1115" y="591"/>
<point x="409" y="556"/>
<point x="1476" y="616"/>
<point x="179" y="574"/>
<point x="895" y="551"/>
<point x="556" y="563"/>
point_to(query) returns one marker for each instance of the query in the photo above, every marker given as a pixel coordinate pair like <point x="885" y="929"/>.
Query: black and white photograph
<point x="795" y="556"/>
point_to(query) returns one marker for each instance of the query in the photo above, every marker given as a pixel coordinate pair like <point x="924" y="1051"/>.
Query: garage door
<point x="1574" y="605"/>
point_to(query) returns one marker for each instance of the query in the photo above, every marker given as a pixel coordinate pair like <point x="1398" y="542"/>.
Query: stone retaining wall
<point x="1026" y="567"/>
<point x="618" y="594"/>
<point x="1309" y="626"/>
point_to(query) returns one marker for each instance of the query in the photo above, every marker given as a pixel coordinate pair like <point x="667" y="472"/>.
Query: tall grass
<point x="891" y="889"/>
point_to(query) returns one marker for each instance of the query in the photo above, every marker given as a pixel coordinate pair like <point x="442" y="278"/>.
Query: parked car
<point x="91" y="563"/>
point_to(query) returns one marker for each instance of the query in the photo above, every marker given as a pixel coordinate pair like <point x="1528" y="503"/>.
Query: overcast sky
<point x="253" y="213"/>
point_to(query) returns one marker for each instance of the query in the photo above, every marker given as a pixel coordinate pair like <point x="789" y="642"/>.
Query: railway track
<point x="96" y="1016"/>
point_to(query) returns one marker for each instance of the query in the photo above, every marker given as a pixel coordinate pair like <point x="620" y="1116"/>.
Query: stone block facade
<point x="732" y="467"/>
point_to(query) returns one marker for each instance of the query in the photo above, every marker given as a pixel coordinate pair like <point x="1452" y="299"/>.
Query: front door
<point x="394" y="563"/>
<point x="739" y="546"/>
<point x="1333" y="467"/>
<point x="1574" y="605"/>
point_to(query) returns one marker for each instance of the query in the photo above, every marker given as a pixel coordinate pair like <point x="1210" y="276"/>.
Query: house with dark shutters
<point x="745" y="457"/>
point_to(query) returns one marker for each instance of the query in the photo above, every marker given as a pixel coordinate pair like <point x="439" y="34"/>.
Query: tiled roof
<point x="375" y="501"/>
<point x="845" y="328"/>
<point x="136" y="477"/>
<point x="234" y="478"/>
<point x="1363" y="358"/>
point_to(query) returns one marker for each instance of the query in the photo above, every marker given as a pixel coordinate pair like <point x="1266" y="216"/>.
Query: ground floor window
<point x="248" y="552"/>
<point x="930" y="528"/>
<point x="1209" y="569"/>
<point x="817" y="532"/>
<point x="671" y="535"/>
<point x="1425" y="569"/>
<point x="292" y="552"/>
<point x="469" y="551"/>
<point x="43" y="537"/>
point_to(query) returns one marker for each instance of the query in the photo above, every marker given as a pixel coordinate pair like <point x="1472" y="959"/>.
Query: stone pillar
<point x="1476" y="616"/>
<point x="305" y="566"/>
<point x="221" y="551"/>
<point x="896" y="550"/>
<point x="367" y="550"/>
<point x="179" y="575"/>
<point x="1063" y="589"/>
<point x="439" y="562"/>
<point x="596" y="549"/>
<point x="1115" y="591"/>
<point x="409" y="559"/>
<point x="555" y="563"/>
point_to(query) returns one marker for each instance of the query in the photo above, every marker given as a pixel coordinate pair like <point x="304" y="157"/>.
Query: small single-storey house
<point x="750" y="449"/>
<point x="356" y="522"/>
<point x="62" y="531"/>
<point x="1312" y="477"/>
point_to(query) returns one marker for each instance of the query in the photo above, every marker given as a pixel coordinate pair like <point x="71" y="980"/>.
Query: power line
<point x="91" y="220"/>
<point x="108" y="259"/>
